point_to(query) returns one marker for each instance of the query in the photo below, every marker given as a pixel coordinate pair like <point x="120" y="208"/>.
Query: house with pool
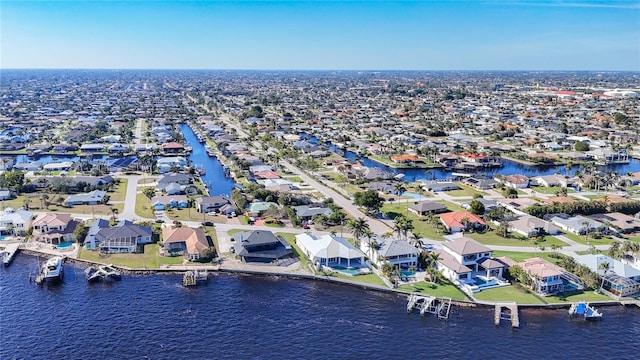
<point x="398" y="253"/>
<point x="470" y="265"/>
<point x="332" y="253"/>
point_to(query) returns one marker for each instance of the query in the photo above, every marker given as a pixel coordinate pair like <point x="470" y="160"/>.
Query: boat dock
<point x="104" y="272"/>
<point x="507" y="311"/>
<point x="584" y="310"/>
<point x="193" y="277"/>
<point x="429" y="304"/>
<point x="8" y="254"/>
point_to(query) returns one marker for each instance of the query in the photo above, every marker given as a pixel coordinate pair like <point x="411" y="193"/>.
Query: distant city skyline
<point x="316" y="35"/>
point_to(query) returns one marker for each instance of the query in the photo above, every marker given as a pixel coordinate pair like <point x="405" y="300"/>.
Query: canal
<point x="510" y="167"/>
<point x="214" y="178"/>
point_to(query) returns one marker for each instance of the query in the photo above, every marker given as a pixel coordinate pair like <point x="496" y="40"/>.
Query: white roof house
<point x="329" y="249"/>
<point x="593" y="261"/>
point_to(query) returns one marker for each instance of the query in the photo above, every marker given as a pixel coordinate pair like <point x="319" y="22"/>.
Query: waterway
<point x="246" y="317"/>
<point x="510" y="167"/>
<point x="214" y="178"/>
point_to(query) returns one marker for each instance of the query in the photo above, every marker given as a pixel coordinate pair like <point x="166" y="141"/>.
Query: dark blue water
<point x="242" y="317"/>
<point x="214" y="179"/>
<point x="510" y="167"/>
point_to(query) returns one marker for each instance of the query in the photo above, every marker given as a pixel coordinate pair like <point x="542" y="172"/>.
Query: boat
<point x="104" y="272"/>
<point x="584" y="310"/>
<point x="52" y="270"/>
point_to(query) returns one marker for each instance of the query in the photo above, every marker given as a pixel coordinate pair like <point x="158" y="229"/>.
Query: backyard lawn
<point x="520" y="256"/>
<point x="365" y="279"/>
<point x="585" y="296"/>
<point x="550" y="190"/>
<point x="508" y="293"/>
<point x="581" y="239"/>
<point x="291" y="239"/>
<point x="191" y="214"/>
<point x="492" y="238"/>
<point x="440" y="289"/>
<point x="421" y="225"/>
<point x="149" y="259"/>
<point x="119" y="191"/>
<point x="464" y="191"/>
<point x="143" y="206"/>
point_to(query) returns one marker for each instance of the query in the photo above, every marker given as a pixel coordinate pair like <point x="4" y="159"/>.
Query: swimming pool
<point x="482" y="283"/>
<point x="64" y="245"/>
<point x="2" y="237"/>
<point x="406" y="274"/>
<point x="347" y="271"/>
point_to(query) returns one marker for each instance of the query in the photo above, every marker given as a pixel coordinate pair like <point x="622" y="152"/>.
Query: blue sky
<point x="430" y="35"/>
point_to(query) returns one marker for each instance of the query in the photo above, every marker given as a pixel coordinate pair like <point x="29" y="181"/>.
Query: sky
<point x="322" y="35"/>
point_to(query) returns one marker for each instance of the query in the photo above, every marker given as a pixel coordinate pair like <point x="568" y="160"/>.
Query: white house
<point x="463" y="259"/>
<point x="529" y="226"/>
<point x="578" y="225"/>
<point x="166" y="164"/>
<point x="396" y="252"/>
<point x="329" y="250"/>
<point x="15" y="222"/>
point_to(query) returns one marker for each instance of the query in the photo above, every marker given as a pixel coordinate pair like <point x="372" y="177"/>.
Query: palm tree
<point x="503" y="229"/>
<point x="44" y="201"/>
<point x="26" y="203"/>
<point x="358" y="227"/>
<point x="432" y="265"/>
<point x="369" y="234"/>
<point x="415" y="240"/>
<point x="604" y="266"/>
<point x="114" y="213"/>
<point x="614" y="249"/>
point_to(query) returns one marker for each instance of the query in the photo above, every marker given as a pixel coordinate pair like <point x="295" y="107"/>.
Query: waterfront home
<point x="261" y="246"/>
<point x="405" y="159"/>
<point x="517" y="205"/>
<point x="58" y="166"/>
<point x="531" y="226"/>
<point x="172" y="147"/>
<point x="167" y="164"/>
<point x="53" y="228"/>
<point x="170" y="201"/>
<point x="424" y="208"/>
<point x="384" y="187"/>
<point x="331" y="251"/>
<point x="15" y="222"/>
<point x="92" y="148"/>
<point x="28" y="166"/>
<point x="90" y="239"/>
<point x="578" y="224"/>
<point x="438" y="186"/>
<point x="207" y="204"/>
<point x="125" y="237"/>
<point x="618" y="286"/>
<point x="398" y="253"/>
<point x="607" y="156"/>
<point x="94" y="197"/>
<point x="620" y="222"/>
<point x="595" y="263"/>
<point x="480" y="184"/>
<point x="307" y="212"/>
<point x="6" y="195"/>
<point x="552" y="180"/>
<point x="516" y="181"/>
<point x="461" y="221"/>
<point x="462" y="260"/>
<point x="183" y="241"/>
<point x="545" y="278"/>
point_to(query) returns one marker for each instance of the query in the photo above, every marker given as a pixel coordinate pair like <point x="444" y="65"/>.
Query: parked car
<point x="159" y="221"/>
<point x="208" y="223"/>
<point x="428" y="247"/>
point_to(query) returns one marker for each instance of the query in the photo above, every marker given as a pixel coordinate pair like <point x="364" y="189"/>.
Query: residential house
<point x="546" y="278"/>
<point x="122" y="238"/>
<point x="461" y="221"/>
<point x="15" y="222"/>
<point x="53" y="228"/>
<point x="170" y="201"/>
<point x="463" y="259"/>
<point x="438" y="186"/>
<point x="531" y="226"/>
<point x="398" y="253"/>
<point x="552" y="180"/>
<point x="94" y="228"/>
<point x="5" y="195"/>
<point x="595" y="263"/>
<point x="329" y="250"/>
<point x="578" y="224"/>
<point x="261" y="246"/>
<point x="184" y="241"/>
<point x="307" y="212"/>
<point x="517" y="181"/>
<point x="167" y="164"/>
<point x="423" y="208"/>
<point x="172" y="147"/>
<point x="207" y="204"/>
<point x="94" y="197"/>
<point x="480" y="184"/>
<point x="257" y="208"/>
<point x="620" y="222"/>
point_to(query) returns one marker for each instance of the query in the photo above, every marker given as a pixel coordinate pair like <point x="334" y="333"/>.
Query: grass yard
<point x="211" y="231"/>
<point x="520" y="256"/>
<point x="635" y="238"/>
<point x="464" y="191"/>
<point x="585" y="296"/>
<point x="143" y="206"/>
<point x="149" y="259"/>
<point x="119" y="192"/>
<point x="372" y="278"/>
<point x="492" y="238"/>
<point x="421" y="225"/>
<point x="440" y="289"/>
<point x="291" y="239"/>
<point x="515" y="293"/>
<point x="550" y="190"/>
<point x="581" y="239"/>
<point x="190" y="214"/>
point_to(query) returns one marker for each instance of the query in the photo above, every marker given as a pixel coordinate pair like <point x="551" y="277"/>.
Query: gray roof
<point x="256" y="237"/>
<point x="427" y="206"/>
<point x="94" y="196"/>
<point x="125" y="229"/>
<point x="466" y="246"/>
<point x="306" y="210"/>
<point x="389" y="248"/>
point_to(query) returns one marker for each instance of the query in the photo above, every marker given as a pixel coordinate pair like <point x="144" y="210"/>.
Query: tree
<point x="12" y="179"/>
<point x="604" y="266"/>
<point x="368" y="199"/>
<point x="114" y="214"/>
<point x="581" y="146"/>
<point x="416" y="240"/>
<point x="149" y="192"/>
<point x="614" y="249"/>
<point x="80" y="232"/>
<point x="503" y="229"/>
<point x="44" y="201"/>
<point x="358" y="227"/>
<point x="476" y="207"/>
<point x="510" y="193"/>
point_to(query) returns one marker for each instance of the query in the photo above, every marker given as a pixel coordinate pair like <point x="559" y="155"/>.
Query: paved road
<point x="129" y="210"/>
<point x="137" y="133"/>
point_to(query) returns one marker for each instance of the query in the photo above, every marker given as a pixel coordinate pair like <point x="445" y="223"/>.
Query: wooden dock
<point x="429" y="304"/>
<point x="511" y="314"/>
<point x="193" y="277"/>
<point x="8" y="254"/>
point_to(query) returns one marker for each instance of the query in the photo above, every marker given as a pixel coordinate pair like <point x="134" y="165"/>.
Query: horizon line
<point x="316" y="70"/>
